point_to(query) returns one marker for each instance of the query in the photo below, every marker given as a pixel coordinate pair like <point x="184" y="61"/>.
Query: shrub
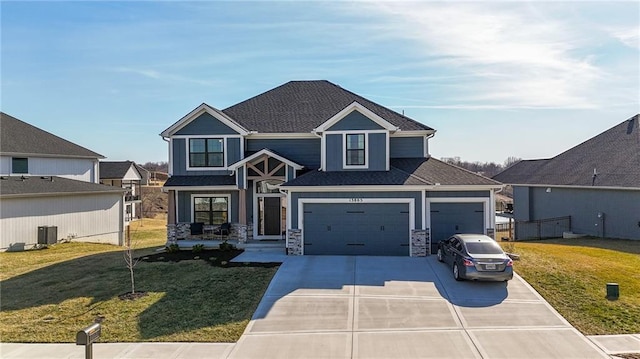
<point x="197" y="248"/>
<point x="172" y="248"/>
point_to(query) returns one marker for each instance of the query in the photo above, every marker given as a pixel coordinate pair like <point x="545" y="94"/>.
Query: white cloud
<point x="513" y="56"/>
<point x="630" y="36"/>
<point x="156" y="75"/>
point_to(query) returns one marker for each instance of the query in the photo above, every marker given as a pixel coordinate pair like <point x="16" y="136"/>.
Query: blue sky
<point x="495" y="79"/>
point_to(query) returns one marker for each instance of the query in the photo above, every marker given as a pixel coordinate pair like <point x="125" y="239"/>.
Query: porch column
<point x="242" y="209"/>
<point x="171" y="211"/>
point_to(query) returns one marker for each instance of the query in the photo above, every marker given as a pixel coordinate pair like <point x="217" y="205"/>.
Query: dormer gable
<point x="355" y="117"/>
<point x="205" y="120"/>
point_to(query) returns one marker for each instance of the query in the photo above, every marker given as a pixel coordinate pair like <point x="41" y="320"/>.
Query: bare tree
<point x="510" y="161"/>
<point x="129" y="259"/>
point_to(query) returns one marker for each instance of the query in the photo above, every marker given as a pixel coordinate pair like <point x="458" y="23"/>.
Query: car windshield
<point x="483" y="248"/>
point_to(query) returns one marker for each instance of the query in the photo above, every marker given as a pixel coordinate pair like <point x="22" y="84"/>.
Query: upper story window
<point x="206" y="152"/>
<point x="19" y="165"/>
<point x="355" y="150"/>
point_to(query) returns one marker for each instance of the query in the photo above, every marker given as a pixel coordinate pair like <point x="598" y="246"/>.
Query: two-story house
<point x="127" y="175"/>
<point x="49" y="190"/>
<point x="323" y="169"/>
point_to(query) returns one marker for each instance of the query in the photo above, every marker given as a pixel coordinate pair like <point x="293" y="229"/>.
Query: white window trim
<point x="303" y="201"/>
<point x="487" y="207"/>
<point x="193" y="205"/>
<point x="255" y="211"/>
<point x="345" y="166"/>
<point x="225" y="147"/>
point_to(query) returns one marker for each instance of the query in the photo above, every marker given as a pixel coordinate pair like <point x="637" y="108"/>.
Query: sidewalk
<point x="617" y="344"/>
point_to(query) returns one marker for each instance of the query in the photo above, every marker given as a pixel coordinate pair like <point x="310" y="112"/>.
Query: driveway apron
<point x="401" y="307"/>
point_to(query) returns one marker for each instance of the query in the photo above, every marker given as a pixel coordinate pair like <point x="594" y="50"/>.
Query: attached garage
<point x="381" y="229"/>
<point x="449" y="218"/>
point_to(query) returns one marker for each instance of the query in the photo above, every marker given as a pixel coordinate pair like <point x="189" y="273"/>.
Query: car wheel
<point x="440" y="259"/>
<point x="456" y="272"/>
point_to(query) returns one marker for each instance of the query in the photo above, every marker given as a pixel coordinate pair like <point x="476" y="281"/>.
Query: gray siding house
<point x="323" y="171"/>
<point x="49" y="182"/>
<point x="596" y="183"/>
<point x="130" y="176"/>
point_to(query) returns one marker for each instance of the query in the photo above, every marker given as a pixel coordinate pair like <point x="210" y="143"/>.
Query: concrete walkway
<point x="378" y="307"/>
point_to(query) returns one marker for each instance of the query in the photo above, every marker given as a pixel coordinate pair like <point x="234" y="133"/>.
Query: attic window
<point x="206" y="152"/>
<point x="355" y="149"/>
<point x="19" y="165"/>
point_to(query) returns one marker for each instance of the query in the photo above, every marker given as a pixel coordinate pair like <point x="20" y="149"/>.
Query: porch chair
<point x="223" y="230"/>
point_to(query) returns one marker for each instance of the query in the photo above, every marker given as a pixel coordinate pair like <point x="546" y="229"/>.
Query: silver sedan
<point x="475" y="257"/>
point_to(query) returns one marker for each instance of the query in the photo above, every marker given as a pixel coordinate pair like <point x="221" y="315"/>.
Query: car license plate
<point x="490" y="266"/>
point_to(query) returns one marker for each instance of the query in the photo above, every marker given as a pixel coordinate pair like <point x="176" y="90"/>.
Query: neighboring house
<point x="596" y="183"/>
<point x="145" y="173"/>
<point x="127" y="175"/>
<point x="51" y="183"/>
<point x="326" y="170"/>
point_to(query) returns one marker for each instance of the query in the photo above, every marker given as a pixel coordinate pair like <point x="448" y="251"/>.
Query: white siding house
<point x="49" y="182"/>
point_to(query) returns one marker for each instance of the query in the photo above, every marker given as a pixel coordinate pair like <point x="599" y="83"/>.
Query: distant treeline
<point x="487" y="169"/>
<point x="156" y="166"/>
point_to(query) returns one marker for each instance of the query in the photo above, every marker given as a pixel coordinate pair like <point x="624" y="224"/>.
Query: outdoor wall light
<point x="548" y="190"/>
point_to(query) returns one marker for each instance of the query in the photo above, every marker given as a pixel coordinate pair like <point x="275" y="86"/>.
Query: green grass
<point x="48" y="295"/>
<point x="571" y="274"/>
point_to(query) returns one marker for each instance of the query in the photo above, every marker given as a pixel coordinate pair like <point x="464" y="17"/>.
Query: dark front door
<point x="272" y="214"/>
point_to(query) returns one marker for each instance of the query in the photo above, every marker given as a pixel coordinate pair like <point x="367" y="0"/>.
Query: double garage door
<point x="380" y="229"/>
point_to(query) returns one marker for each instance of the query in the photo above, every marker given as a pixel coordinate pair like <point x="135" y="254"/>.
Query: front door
<point x="271" y="216"/>
<point x="270" y="211"/>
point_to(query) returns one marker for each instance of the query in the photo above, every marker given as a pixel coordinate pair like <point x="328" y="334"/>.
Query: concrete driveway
<point x="399" y="307"/>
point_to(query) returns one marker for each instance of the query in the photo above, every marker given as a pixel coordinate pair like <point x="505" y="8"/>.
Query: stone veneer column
<point x="239" y="232"/>
<point x="294" y="242"/>
<point x="418" y="243"/>
<point x="171" y="234"/>
<point x="491" y="232"/>
<point x="250" y="231"/>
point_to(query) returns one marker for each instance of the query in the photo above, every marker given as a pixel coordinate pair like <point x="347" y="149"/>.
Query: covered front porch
<point x="247" y="200"/>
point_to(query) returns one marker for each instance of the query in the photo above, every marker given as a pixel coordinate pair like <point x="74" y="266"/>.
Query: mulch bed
<point x="214" y="257"/>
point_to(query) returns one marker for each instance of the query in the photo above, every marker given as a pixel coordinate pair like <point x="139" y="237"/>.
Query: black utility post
<point x="87" y="336"/>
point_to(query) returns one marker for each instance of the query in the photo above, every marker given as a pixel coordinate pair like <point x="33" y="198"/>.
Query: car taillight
<point x="510" y="263"/>
<point x="468" y="263"/>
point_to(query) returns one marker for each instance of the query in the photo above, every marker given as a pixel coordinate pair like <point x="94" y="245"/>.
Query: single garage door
<point x="448" y="219"/>
<point x="377" y="229"/>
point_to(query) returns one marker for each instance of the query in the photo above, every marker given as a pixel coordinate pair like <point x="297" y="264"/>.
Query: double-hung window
<point x="355" y="149"/>
<point x="206" y="152"/>
<point x="211" y="209"/>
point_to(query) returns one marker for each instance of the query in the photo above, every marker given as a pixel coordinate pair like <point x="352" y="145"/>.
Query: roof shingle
<point x="49" y="185"/>
<point x="19" y="137"/>
<point x="614" y="156"/>
<point x="301" y="106"/>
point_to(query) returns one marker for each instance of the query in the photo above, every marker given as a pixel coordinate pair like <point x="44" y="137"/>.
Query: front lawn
<point x="571" y="274"/>
<point x="48" y="295"/>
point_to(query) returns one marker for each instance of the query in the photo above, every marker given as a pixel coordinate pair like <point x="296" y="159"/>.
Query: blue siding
<point x="304" y="152"/>
<point x="334" y="153"/>
<point x="179" y="159"/>
<point x="240" y="178"/>
<point x="249" y="202"/>
<point x="406" y="147"/>
<point x="521" y="203"/>
<point x="621" y="209"/>
<point x="233" y="150"/>
<point x="291" y="173"/>
<point x="293" y="211"/>
<point x="185" y="206"/>
<point x="206" y="124"/>
<point x="377" y="151"/>
<point x="355" y="121"/>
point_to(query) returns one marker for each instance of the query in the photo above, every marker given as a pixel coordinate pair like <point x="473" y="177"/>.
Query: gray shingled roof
<point x="114" y="169"/>
<point x="301" y="106"/>
<point x="49" y="185"/>
<point x="19" y="137"/>
<point x="178" y="181"/>
<point x="613" y="154"/>
<point x="403" y="171"/>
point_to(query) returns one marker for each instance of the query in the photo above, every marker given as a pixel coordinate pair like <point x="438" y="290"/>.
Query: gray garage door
<point x="448" y="219"/>
<point x="356" y="229"/>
